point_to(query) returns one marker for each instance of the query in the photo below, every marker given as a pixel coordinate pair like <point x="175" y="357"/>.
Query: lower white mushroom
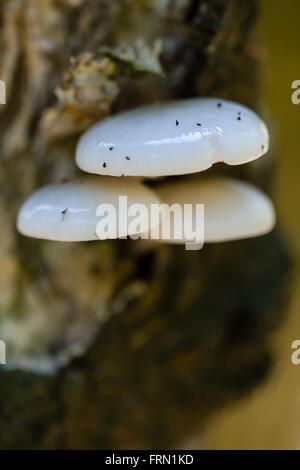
<point x="232" y="210"/>
<point x="71" y="211"/>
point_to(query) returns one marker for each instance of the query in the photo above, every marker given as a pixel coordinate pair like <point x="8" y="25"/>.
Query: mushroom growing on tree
<point x="170" y="139"/>
<point x="68" y="211"/>
<point x="233" y="209"/>
<point x="175" y="138"/>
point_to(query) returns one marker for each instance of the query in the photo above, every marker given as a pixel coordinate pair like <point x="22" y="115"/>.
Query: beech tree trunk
<point x="124" y="344"/>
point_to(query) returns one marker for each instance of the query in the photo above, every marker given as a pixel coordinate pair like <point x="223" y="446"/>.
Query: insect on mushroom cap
<point x="167" y="139"/>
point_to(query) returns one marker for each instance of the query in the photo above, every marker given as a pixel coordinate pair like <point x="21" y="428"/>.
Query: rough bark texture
<point x="144" y="341"/>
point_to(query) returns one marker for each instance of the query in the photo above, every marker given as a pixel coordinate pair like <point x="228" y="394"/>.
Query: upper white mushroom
<point x="233" y="209"/>
<point x="173" y="139"/>
<point x="67" y="211"/>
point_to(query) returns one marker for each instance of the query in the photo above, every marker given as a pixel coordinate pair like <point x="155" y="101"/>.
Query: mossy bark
<point x="145" y="341"/>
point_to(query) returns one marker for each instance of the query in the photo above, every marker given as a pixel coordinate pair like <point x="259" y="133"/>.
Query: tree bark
<point x="142" y="342"/>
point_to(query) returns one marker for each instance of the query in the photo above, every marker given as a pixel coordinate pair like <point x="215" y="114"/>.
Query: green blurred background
<point x="270" y="417"/>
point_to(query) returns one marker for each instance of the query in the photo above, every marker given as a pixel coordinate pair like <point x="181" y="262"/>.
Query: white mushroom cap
<point x="173" y="139"/>
<point x="67" y="211"/>
<point x="232" y="209"/>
